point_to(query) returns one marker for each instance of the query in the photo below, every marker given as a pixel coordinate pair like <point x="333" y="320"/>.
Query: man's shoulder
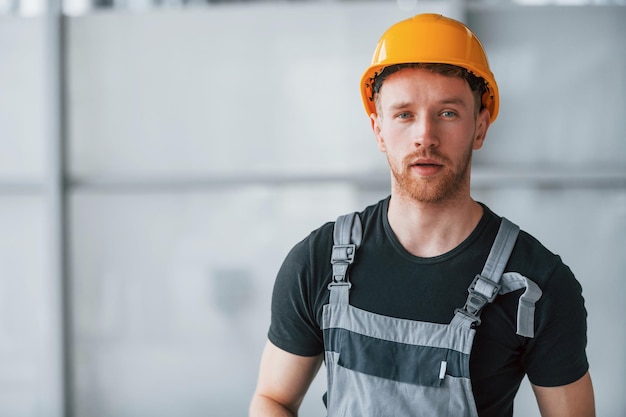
<point x="535" y="261"/>
<point x="531" y="258"/>
<point x="323" y="234"/>
<point x="318" y="243"/>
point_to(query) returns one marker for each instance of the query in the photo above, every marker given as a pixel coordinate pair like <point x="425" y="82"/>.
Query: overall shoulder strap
<point x="347" y="236"/>
<point x="485" y="287"/>
<point x="513" y="281"/>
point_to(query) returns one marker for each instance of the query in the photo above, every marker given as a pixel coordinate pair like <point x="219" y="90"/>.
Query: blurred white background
<point x="159" y="159"/>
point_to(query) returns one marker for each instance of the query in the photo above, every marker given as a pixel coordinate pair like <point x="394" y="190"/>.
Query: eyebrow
<point x="448" y="100"/>
<point x="454" y="100"/>
<point x="400" y="105"/>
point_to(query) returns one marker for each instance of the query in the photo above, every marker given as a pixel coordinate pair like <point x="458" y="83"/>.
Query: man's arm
<point x="284" y="378"/>
<point x="572" y="400"/>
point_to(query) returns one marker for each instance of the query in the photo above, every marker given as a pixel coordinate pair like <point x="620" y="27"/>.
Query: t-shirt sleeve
<point x="557" y="354"/>
<point x="293" y="326"/>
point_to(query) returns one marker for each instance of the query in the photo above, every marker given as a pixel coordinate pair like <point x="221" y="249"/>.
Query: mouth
<point x="426" y="163"/>
<point x="426" y="167"/>
<point x="419" y="164"/>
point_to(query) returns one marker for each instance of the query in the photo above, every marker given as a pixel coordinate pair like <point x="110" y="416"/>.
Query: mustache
<point x="431" y="154"/>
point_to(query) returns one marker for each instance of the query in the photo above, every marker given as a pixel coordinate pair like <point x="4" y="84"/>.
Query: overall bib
<point x="383" y="366"/>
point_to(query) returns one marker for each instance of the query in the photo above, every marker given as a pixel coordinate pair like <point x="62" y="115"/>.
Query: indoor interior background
<point x="158" y="160"/>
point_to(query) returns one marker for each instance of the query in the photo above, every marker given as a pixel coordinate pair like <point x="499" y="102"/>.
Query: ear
<point x="377" y="129"/>
<point x="482" y="125"/>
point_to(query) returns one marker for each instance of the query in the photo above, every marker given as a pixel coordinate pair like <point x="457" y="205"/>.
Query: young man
<point x="398" y="332"/>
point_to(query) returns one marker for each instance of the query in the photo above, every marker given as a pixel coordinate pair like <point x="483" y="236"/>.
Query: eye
<point x="448" y="114"/>
<point x="403" y="115"/>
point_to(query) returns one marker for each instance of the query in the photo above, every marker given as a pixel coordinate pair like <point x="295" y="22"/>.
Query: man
<point x="397" y="330"/>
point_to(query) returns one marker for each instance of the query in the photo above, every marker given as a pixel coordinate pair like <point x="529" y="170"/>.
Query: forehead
<point x="420" y="84"/>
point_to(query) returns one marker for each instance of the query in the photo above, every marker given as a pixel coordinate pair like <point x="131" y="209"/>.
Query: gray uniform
<point x="384" y="366"/>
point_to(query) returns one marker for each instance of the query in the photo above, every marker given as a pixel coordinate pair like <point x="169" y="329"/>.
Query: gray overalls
<point x="382" y="366"/>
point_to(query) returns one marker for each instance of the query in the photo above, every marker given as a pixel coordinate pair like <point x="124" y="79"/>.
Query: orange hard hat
<point x="431" y="38"/>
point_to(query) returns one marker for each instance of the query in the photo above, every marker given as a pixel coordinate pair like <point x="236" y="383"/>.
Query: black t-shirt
<point x="388" y="280"/>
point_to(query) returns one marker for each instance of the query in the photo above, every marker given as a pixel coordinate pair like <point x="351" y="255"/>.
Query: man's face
<point x="427" y="126"/>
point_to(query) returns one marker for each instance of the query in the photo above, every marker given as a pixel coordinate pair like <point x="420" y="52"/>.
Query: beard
<point x="442" y="187"/>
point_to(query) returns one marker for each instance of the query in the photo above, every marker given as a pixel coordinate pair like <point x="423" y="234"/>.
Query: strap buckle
<point x="339" y="284"/>
<point x="343" y="254"/>
<point x="341" y="257"/>
<point x="479" y="297"/>
<point x="484" y="288"/>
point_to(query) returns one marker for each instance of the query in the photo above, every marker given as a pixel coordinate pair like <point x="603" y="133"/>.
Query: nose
<point x="425" y="132"/>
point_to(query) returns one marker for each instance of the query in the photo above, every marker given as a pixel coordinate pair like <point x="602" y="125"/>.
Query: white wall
<point x="30" y="337"/>
<point x="204" y="143"/>
<point x="173" y="286"/>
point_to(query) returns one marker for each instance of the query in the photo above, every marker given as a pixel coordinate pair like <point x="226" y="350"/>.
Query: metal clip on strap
<point x="481" y="292"/>
<point x="341" y="258"/>
<point x="347" y="237"/>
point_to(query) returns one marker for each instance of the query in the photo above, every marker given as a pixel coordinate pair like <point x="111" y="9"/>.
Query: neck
<point x="428" y="230"/>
